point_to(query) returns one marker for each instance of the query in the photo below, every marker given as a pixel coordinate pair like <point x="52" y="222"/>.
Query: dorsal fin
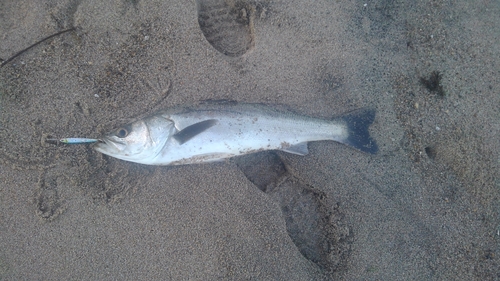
<point x="191" y="131"/>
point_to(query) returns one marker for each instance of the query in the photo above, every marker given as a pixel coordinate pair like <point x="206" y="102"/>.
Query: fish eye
<point x="122" y="133"/>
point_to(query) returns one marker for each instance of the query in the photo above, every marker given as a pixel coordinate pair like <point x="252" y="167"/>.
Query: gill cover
<point x="139" y="142"/>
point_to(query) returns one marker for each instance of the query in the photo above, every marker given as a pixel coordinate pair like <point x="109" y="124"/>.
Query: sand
<point x="426" y="207"/>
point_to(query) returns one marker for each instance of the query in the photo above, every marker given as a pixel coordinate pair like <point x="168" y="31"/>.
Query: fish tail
<point x="358" y="136"/>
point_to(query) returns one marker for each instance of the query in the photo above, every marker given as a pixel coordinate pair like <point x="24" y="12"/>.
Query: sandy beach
<point x="425" y="207"/>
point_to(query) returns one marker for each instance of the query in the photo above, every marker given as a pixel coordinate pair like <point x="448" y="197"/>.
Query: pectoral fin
<point x="191" y="131"/>
<point x="300" y="149"/>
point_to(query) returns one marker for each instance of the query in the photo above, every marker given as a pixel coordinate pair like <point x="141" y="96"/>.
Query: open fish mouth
<point x="107" y="146"/>
<point x="99" y="145"/>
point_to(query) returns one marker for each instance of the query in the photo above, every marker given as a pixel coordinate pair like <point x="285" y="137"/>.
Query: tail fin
<point x="357" y="123"/>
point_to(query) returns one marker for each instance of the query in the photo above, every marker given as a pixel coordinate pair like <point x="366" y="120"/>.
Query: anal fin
<point x="299" y="149"/>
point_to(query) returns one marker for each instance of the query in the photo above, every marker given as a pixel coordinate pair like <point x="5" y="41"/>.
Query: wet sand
<point x="426" y="207"/>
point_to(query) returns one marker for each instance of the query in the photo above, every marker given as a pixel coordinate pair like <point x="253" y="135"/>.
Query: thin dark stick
<point x="44" y="39"/>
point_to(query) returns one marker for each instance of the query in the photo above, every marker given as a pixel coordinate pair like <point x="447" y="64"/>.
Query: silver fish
<point x="211" y="132"/>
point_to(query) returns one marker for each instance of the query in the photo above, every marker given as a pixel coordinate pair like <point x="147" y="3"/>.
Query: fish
<point x="214" y="131"/>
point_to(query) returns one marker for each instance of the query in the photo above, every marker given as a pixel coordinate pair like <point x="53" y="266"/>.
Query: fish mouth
<point x="106" y="146"/>
<point x="100" y="145"/>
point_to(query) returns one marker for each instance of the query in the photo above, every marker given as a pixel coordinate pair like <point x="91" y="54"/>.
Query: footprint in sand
<point x="317" y="228"/>
<point x="227" y="25"/>
<point x="47" y="199"/>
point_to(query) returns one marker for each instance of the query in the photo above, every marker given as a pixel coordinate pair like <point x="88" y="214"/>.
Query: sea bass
<point x="210" y="132"/>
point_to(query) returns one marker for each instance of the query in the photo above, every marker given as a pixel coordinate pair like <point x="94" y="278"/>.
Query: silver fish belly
<point x="213" y="132"/>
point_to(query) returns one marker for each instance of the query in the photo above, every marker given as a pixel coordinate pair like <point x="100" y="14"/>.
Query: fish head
<point x="140" y="141"/>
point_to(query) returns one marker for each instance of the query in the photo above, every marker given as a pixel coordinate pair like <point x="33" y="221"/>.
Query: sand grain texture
<point x="424" y="208"/>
